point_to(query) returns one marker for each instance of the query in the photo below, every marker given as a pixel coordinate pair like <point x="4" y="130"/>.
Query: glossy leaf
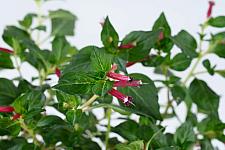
<point x="161" y="23"/>
<point x="180" y="62"/>
<point x="205" y="98"/>
<point x="63" y="22"/>
<point x="5" y="61"/>
<point x="8" y="91"/>
<point x="186" y="43"/>
<point x="217" y="22"/>
<point x="109" y="36"/>
<point x="145" y="98"/>
<point x="136" y="145"/>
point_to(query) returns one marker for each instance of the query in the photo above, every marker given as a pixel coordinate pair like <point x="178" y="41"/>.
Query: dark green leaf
<point x="178" y="93"/>
<point x="9" y="127"/>
<point x="136" y="145"/>
<point x="143" y="41"/>
<point x="145" y="98"/>
<point x="109" y="36"/>
<point x="205" y="98"/>
<point x="5" y="61"/>
<point x="206" y="63"/>
<point x="206" y="144"/>
<point x="217" y="44"/>
<point x="162" y="24"/>
<point x="29" y="102"/>
<point x="27" y="20"/>
<point x="63" y="22"/>
<point x="68" y="101"/>
<point x="185" y="136"/>
<point x="180" y="62"/>
<point x="186" y="43"/>
<point x="102" y="87"/>
<point x="76" y="83"/>
<point x="217" y="22"/>
<point x="8" y="91"/>
<point x="100" y="60"/>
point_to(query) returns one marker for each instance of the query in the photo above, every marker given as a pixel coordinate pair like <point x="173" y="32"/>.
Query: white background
<point x="126" y="16"/>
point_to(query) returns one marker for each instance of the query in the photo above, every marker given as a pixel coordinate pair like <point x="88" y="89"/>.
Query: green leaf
<point x="8" y="92"/>
<point x="143" y="41"/>
<point x="178" y="93"/>
<point x="206" y="144"/>
<point x="67" y="101"/>
<point x="27" y="20"/>
<point x="217" y="44"/>
<point x="62" y="51"/>
<point x="218" y="22"/>
<point x="145" y="98"/>
<point x="180" y="62"/>
<point x="40" y="28"/>
<point x="206" y="63"/>
<point x="29" y="102"/>
<point x="221" y="72"/>
<point x="205" y="98"/>
<point x="63" y="22"/>
<point x="211" y="127"/>
<point x="18" y="143"/>
<point x="185" y="136"/>
<point x="136" y="145"/>
<point x="109" y="36"/>
<point x="50" y="120"/>
<point x="162" y="24"/>
<point x="100" y="60"/>
<point x="76" y="83"/>
<point x="9" y="127"/>
<point x="5" y="61"/>
<point x="127" y="129"/>
<point x="186" y="43"/>
<point x="102" y="87"/>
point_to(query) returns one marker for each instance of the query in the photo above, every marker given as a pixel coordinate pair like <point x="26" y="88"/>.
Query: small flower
<point x="117" y="76"/>
<point x="129" y="83"/>
<point x="127" y="100"/>
<point x="6" y="50"/>
<point x="16" y="116"/>
<point x="126" y="46"/>
<point x="57" y="72"/>
<point x="209" y="12"/>
<point x="6" y="109"/>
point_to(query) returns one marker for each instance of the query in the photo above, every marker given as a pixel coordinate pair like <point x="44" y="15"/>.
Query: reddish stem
<point x="126" y="46"/>
<point x="16" y="116"/>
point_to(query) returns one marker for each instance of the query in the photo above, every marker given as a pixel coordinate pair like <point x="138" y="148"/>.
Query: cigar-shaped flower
<point x="209" y="12"/>
<point x="135" y="83"/>
<point x="6" y="109"/>
<point x="57" y="72"/>
<point x="127" y="100"/>
<point x="6" y="50"/>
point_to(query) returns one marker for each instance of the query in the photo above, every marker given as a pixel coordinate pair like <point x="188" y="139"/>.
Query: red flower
<point x="6" y="50"/>
<point x="129" y="83"/>
<point x="116" y="76"/>
<point x="209" y="12"/>
<point x="127" y="100"/>
<point x="6" y="109"/>
<point x="57" y="72"/>
<point x="126" y="46"/>
<point x="16" y="116"/>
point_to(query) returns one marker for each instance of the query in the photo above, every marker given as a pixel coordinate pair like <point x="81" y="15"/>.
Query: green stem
<point x="86" y="104"/>
<point x="108" y="113"/>
<point x="153" y="136"/>
<point x="39" y="18"/>
<point x="18" y="68"/>
<point x="29" y="131"/>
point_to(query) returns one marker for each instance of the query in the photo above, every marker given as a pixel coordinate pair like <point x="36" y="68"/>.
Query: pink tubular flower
<point x="209" y="12"/>
<point x="6" y="50"/>
<point x="129" y="83"/>
<point x="126" y="46"/>
<point x="16" y="116"/>
<point x="117" y="76"/>
<point x="6" y="109"/>
<point x="57" y="72"/>
<point x="127" y="100"/>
